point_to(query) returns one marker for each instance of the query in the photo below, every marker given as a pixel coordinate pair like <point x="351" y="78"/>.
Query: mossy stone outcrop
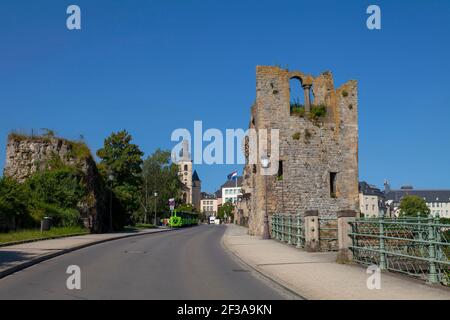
<point x="26" y="155"/>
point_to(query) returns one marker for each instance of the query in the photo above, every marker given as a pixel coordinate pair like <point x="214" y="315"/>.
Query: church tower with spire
<point x="196" y="191"/>
<point x="185" y="171"/>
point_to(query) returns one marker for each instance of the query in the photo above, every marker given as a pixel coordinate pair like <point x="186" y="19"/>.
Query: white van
<point x="212" y="220"/>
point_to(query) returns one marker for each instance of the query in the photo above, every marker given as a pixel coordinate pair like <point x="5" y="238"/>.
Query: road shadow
<point x="9" y="256"/>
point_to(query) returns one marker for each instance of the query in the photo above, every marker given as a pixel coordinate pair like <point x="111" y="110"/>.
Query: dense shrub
<point x="50" y="193"/>
<point x="62" y="187"/>
<point x="63" y="217"/>
<point x="56" y="193"/>
<point x="14" y="202"/>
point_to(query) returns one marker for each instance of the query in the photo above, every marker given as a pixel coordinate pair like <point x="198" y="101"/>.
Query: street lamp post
<point x="237" y="217"/>
<point x="265" y="163"/>
<point x="155" y="194"/>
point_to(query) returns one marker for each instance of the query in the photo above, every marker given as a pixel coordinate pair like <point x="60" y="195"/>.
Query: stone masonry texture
<point x="27" y="155"/>
<point x="311" y="151"/>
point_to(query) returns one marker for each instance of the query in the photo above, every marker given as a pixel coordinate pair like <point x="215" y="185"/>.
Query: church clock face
<point x="185" y="173"/>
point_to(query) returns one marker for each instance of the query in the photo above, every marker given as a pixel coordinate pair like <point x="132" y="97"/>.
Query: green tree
<point x="121" y="160"/>
<point x="226" y="210"/>
<point x="413" y="206"/>
<point x="13" y="200"/>
<point x="186" y="207"/>
<point x="159" y="175"/>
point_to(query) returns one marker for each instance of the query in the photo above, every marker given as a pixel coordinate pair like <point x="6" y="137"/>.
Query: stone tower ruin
<point x="318" y="153"/>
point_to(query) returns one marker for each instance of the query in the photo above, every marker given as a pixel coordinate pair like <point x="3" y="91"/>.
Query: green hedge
<point x="51" y="193"/>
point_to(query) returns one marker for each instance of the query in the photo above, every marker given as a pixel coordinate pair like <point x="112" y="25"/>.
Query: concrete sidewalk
<point x="20" y="256"/>
<point x="317" y="276"/>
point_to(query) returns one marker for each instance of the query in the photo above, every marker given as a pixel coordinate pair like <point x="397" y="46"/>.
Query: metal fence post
<point x="280" y="226"/>
<point x="432" y="276"/>
<point x="299" y="231"/>
<point x="382" y="243"/>
<point x="272" y="223"/>
<point x="420" y="236"/>
<point x="290" y="229"/>
<point x="277" y="231"/>
<point x="277" y="235"/>
<point x="439" y="252"/>
<point x="283" y="228"/>
<point x="274" y="228"/>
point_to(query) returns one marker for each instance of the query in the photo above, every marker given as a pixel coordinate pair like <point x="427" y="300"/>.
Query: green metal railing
<point x="288" y="228"/>
<point x="419" y="247"/>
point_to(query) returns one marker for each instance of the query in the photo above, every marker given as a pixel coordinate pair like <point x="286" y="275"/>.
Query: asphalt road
<point x="184" y="264"/>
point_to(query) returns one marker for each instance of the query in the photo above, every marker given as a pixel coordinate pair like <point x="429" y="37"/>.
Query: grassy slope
<point x="36" y="234"/>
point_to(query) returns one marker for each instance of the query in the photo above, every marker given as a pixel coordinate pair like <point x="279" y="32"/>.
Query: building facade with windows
<point x="209" y="204"/>
<point x="371" y="200"/>
<point x="231" y="190"/>
<point x="438" y="201"/>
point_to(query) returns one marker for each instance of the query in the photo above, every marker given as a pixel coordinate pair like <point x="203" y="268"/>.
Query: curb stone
<point x="261" y="272"/>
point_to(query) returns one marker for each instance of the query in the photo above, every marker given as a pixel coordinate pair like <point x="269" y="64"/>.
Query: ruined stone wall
<point x="310" y="150"/>
<point x="27" y="155"/>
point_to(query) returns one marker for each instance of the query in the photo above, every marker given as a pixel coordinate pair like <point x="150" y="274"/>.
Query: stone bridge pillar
<point x="344" y="241"/>
<point x="312" y="230"/>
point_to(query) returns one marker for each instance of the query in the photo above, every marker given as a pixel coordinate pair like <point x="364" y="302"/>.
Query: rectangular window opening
<point x="280" y="170"/>
<point x="333" y="176"/>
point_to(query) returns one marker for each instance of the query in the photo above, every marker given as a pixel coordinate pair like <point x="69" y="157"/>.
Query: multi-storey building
<point x="209" y="204"/>
<point x="371" y="200"/>
<point x="231" y="190"/>
<point x="438" y="201"/>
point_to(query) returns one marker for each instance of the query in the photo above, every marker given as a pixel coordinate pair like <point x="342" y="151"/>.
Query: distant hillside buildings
<point x="228" y="192"/>
<point x="438" y="201"/>
<point x="373" y="201"/>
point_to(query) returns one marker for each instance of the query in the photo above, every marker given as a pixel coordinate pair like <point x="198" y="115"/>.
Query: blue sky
<point x="153" y="66"/>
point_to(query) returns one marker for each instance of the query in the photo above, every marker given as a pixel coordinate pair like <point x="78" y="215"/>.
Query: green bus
<point x="182" y="219"/>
